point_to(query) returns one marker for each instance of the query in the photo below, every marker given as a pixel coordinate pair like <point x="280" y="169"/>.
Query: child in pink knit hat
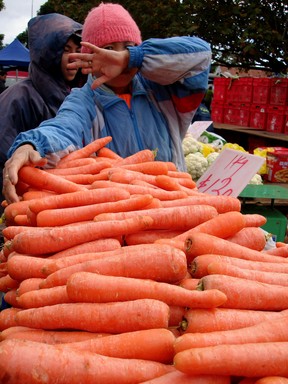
<point x="142" y="93"/>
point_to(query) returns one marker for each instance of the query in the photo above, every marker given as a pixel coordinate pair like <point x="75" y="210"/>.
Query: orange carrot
<point x="42" y="297"/>
<point x="36" y="194"/>
<point x="86" y="151"/>
<point x="138" y="157"/>
<point x="94" y="168"/>
<point x="10" y="298"/>
<point x="168" y="183"/>
<point x="95" y="288"/>
<point x="254" y="220"/>
<point x="222" y="319"/>
<point x="26" y="361"/>
<point x="48" y="337"/>
<point x="221" y="203"/>
<point x="251" y="359"/>
<point x="278" y="251"/>
<point x="189" y="283"/>
<point x="223" y="268"/>
<point x="266" y="331"/>
<point x="247" y="294"/>
<point x="7" y="317"/>
<point x="178" y="377"/>
<point x="148" y="167"/>
<point x="199" y="266"/>
<point x="147" y="344"/>
<point x="147" y="261"/>
<point x="76" y="162"/>
<point x="272" y="380"/>
<point x="76" y="199"/>
<point x="117" y="317"/>
<point x="178" y="218"/>
<point x="108" y="153"/>
<point x="14" y="209"/>
<point x="28" y="285"/>
<point x="99" y="245"/>
<point x="7" y="283"/>
<point x="62" y="216"/>
<point x="58" y="238"/>
<point x="43" y="180"/>
<point x="223" y="225"/>
<point x="176" y="316"/>
<point x="146" y="237"/>
<point x="244" y="236"/>
<point x="201" y="243"/>
<point x="21" y="220"/>
<point x="24" y="267"/>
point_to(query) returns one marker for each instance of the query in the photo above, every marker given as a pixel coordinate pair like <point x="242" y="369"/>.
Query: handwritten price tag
<point x="229" y="173"/>
<point x="198" y="127"/>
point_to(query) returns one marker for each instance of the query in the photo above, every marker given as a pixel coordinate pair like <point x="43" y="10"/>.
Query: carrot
<point x="221" y="203"/>
<point x="223" y="225"/>
<point x="222" y="319"/>
<point x="251" y="359"/>
<point x="189" y="283"/>
<point x="117" y="317"/>
<point x="62" y="216"/>
<point x="278" y="251"/>
<point x="272" y="380"/>
<point x="14" y="209"/>
<point x="146" y="237"/>
<point x="168" y="183"/>
<point x="21" y="220"/>
<point x="36" y="194"/>
<point x="178" y="218"/>
<point x="30" y="284"/>
<point x="247" y="294"/>
<point x="223" y="268"/>
<point x="176" y="316"/>
<point x="178" y="377"/>
<point x="138" y="157"/>
<point x="27" y="362"/>
<point x="99" y="245"/>
<point x="201" y="243"/>
<point x="254" y="220"/>
<point x="86" y="151"/>
<point x="76" y="199"/>
<point x="244" y="236"/>
<point x="267" y="331"/>
<point x="7" y="317"/>
<point x="12" y="230"/>
<point x="108" y="153"/>
<point x="199" y="266"/>
<point x="147" y="261"/>
<point x="7" y="283"/>
<point x="76" y="163"/>
<point x="147" y="344"/>
<point x="48" y="337"/>
<point x="38" y="178"/>
<point x="10" y="298"/>
<point x="158" y="193"/>
<point x="91" y="169"/>
<point x="95" y="288"/>
<point x="59" y="238"/>
<point x="41" y="297"/>
<point x="148" y="167"/>
<point x="21" y="267"/>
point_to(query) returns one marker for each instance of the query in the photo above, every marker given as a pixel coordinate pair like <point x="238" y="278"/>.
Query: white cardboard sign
<point x="198" y="127"/>
<point x="229" y="173"/>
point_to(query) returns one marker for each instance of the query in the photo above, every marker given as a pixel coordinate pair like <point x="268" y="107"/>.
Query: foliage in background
<point x="242" y="33"/>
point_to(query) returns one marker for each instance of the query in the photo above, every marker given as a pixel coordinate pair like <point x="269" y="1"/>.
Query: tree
<point x="2" y="6"/>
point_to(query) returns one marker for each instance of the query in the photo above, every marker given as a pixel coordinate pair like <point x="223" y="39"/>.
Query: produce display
<point x="118" y="270"/>
<point x="202" y="152"/>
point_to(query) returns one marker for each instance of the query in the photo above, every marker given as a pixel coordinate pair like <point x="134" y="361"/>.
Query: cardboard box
<point x="277" y="165"/>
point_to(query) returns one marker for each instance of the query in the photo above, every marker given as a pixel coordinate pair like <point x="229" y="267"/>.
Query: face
<point x="70" y="47"/>
<point x="122" y="81"/>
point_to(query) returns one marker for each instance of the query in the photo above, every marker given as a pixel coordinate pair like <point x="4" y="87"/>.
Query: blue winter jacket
<point x="166" y="91"/>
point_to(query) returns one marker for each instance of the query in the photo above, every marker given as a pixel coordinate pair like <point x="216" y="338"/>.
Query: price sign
<point x="229" y="173"/>
<point x="198" y="127"/>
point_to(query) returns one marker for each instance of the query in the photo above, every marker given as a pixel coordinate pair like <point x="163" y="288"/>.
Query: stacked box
<point x="258" y="116"/>
<point x="275" y="119"/>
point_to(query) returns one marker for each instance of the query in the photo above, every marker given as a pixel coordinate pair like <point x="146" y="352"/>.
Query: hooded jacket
<point x="27" y="103"/>
<point x="171" y="82"/>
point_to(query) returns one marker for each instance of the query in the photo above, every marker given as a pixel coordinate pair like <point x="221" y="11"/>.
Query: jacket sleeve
<point x="68" y="130"/>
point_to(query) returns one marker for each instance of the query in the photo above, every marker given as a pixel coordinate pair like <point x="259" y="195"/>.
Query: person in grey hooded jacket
<point x="23" y="106"/>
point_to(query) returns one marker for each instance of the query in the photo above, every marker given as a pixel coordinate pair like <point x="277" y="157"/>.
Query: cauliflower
<point x="256" y="180"/>
<point x="190" y="145"/>
<point x="196" y="164"/>
<point x="212" y="157"/>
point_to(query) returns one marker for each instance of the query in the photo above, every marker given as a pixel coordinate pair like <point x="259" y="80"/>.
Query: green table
<point x="264" y="191"/>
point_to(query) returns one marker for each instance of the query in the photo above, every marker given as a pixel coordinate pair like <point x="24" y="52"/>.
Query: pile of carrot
<point x="120" y="270"/>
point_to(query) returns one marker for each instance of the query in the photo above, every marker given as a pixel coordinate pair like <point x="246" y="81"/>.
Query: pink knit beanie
<point x="109" y="23"/>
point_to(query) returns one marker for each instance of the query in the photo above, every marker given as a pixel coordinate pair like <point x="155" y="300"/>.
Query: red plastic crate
<point x="217" y="111"/>
<point x="261" y="90"/>
<point x="258" y="116"/>
<point x="275" y="119"/>
<point x="236" y="114"/>
<point x="240" y="90"/>
<point x="220" y="89"/>
<point x="279" y="91"/>
<point x="286" y="122"/>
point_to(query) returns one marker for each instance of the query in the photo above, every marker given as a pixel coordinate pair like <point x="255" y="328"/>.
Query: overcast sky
<point x="15" y="16"/>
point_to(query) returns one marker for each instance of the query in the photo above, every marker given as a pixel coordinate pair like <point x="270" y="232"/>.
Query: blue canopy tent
<point x="15" y="55"/>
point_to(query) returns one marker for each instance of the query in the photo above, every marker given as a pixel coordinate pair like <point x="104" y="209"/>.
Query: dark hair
<point x="2" y="72"/>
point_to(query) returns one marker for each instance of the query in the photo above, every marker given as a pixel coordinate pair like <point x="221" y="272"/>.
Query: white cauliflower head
<point x="190" y="145"/>
<point x="196" y="164"/>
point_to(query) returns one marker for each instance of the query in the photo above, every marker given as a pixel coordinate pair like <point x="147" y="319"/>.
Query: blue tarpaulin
<point x="15" y="55"/>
